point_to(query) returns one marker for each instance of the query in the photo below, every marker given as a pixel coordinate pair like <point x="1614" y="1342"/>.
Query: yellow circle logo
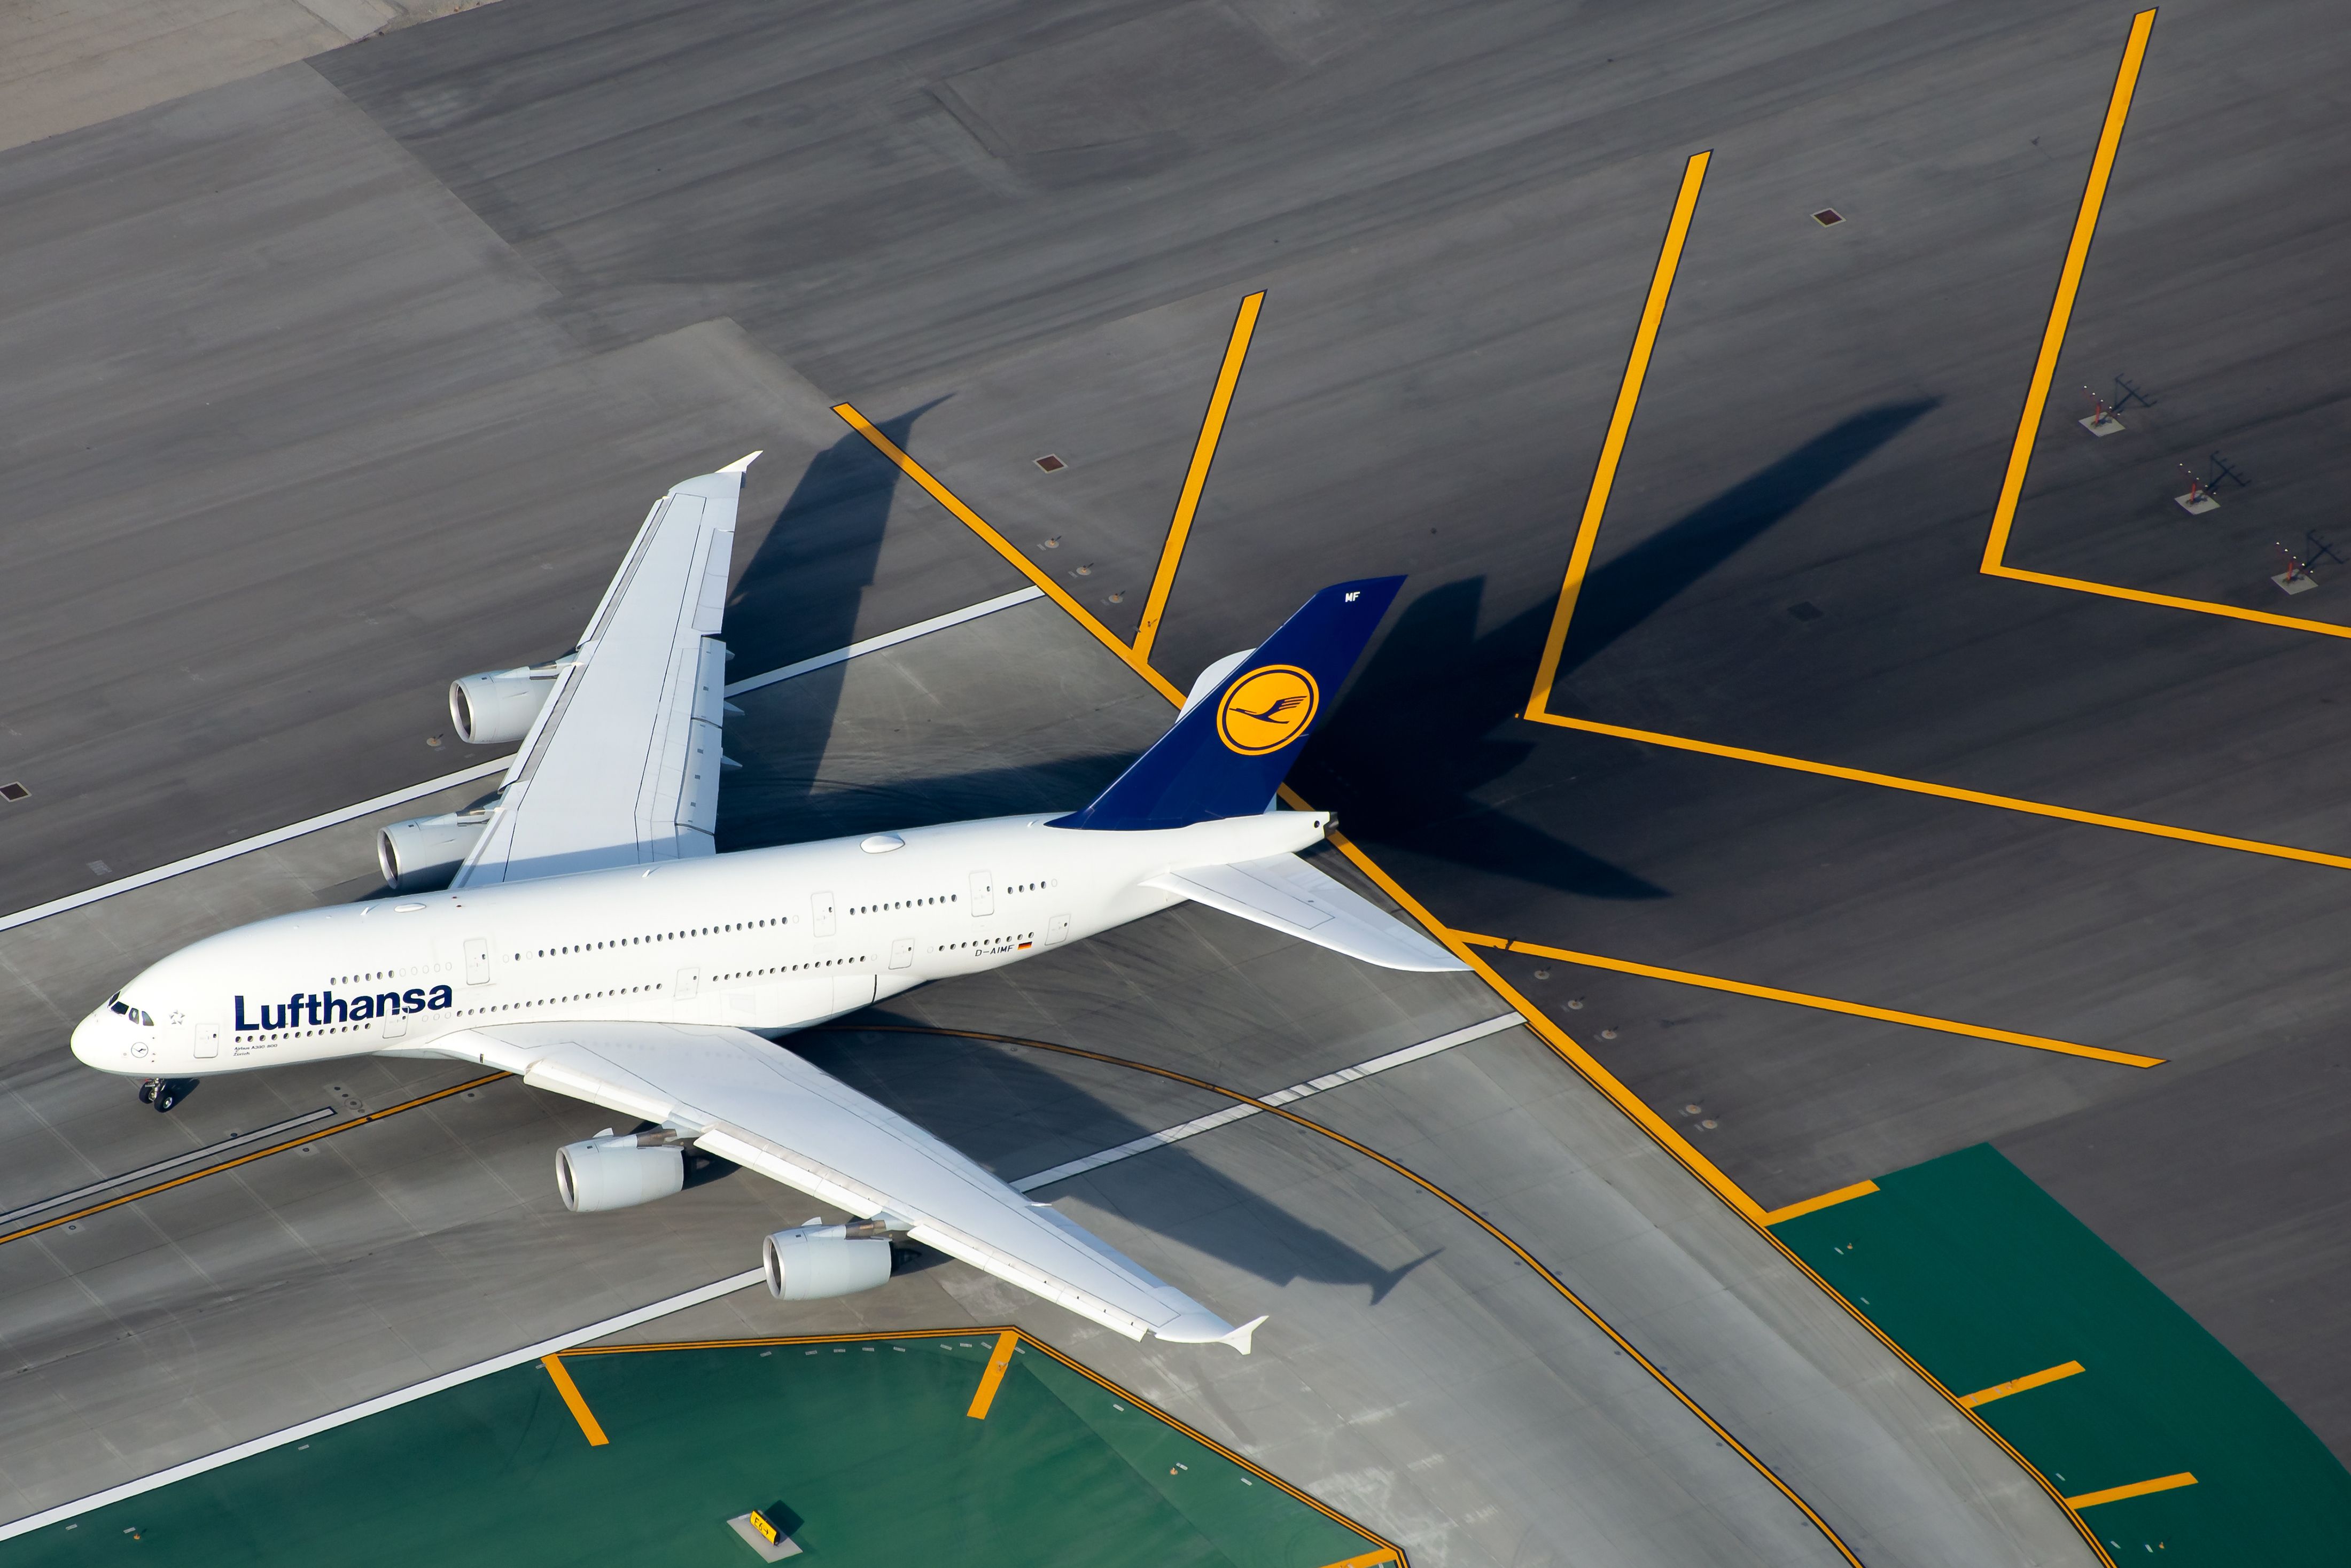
<point x="1267" y="709"/>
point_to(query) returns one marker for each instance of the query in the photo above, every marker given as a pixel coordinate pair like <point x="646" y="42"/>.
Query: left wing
<point x="621" y="765"/>
<point x="761" y="1105"/>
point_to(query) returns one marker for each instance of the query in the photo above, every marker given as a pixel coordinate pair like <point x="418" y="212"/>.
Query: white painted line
<point x="259" y="841"/>
<point x="889" y="639"/>
<point x="1231" y="1114"/>
<point x="484" y="769"/>
<point x="382" y="1402"/>
<point x="234" y="1141"/>
<point x="709" y="1292"/>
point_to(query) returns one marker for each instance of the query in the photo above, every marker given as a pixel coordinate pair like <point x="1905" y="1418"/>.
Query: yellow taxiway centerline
<point x="230" y="1165"/>
<point x="2137" y="1488"/>
<point x="1822" y="1004"/>
<point x="992" y="1379"/>
<point x="1949" y="791"/>
<point x="1003" y="547"/>
<point x="1196" y="477"/>
<point x="1825" y="1200"/>
<point x="1620" y="426"/>
<point x="2019" y="1385"/>
<point x="2069" y="283"/>
<point x="572" y="1400"/>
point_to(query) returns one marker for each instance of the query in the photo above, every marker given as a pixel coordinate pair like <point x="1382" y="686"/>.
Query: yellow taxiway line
<point x="1825" y="1200"/>
<point x="1821" y="1004"/>
<point x="2019" y="1385"/>
<point x="1948" y="791"/>
<point x="1003" y="547"/>
<point x="1196" y="477"/>
<point x="2044" y="368"/>
<point x="998" y="1364"/>
<point x="572" y="1400"/>
<point x="243" y="1159"/>
<point x="2137" y="1488"/>
<point x="2069" y="283"/>
<point x="1620" y="426"/>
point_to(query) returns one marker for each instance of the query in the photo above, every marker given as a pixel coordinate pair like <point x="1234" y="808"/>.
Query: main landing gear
<point x="164" y="1092"/>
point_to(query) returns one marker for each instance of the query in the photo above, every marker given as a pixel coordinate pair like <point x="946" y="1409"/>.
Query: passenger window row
<point x="660" y="936"/>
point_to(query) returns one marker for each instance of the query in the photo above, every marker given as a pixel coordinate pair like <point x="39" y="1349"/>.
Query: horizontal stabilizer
<point x="1285" y="894"/>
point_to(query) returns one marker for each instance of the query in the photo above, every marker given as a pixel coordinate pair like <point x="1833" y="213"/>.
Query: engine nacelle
<point x="496" y="707"/>
<point x="598" y="1174"/>
<point x="813" y="1262"/>
<point x="424" y="852"/>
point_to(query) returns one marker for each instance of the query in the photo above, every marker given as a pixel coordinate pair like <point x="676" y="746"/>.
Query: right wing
<point x="1286" y="895"/>
<point x="761" y="1105"/>
<point x="621" y="765"/>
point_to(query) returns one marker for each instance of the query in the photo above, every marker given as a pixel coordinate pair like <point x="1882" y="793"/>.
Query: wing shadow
<point x="1006" y="1110"/>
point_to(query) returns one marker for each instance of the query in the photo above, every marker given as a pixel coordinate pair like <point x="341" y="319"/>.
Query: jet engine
<point x="425" y="851"/>
<point x="813" y="1262"/>
<point x="606" y="1172"/>
<point x="496" y="708"/>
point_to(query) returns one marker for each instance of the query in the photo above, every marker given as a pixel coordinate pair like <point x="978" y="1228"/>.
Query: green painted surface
<point x="1983" y="1277"/>
<point x="868" y="1443"/>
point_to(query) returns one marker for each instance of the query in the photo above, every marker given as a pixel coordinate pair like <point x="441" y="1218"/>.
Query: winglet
<point x="740" y="464"/>
<point x="1202" y="1326"/>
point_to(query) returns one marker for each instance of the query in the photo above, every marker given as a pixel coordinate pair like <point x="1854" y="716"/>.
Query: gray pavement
<point x="1415" y="1374"/>
<point x="486" y="284"/>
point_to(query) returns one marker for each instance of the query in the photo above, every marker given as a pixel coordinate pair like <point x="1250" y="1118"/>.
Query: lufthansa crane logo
<point x="1267" y="709"/>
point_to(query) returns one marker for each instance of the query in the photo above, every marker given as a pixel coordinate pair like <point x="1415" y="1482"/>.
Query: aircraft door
<point x="983" y="893"/>
<point x="902" y="953"/>
<point x="1056" y="929"/>
<point x="477" y="960"/>
<point x="689" y="984"/>
<point x="820" y="914"/>
<point x="208" y="1038"/>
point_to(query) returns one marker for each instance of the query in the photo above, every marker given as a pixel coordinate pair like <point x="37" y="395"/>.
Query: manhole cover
<point x="1828" y="217"/>
<point x="1050" y="464"/>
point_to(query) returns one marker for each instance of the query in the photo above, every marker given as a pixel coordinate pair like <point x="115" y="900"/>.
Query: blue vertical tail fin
<point x="1227" y="753"/>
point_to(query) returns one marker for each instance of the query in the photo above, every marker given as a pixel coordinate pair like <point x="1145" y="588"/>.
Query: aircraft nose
<point x="87" y="1040"/>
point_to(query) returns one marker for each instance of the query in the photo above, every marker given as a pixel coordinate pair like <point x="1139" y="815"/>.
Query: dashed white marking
<point x="1231" y="1114"/>
<point x="226" y="1145"/>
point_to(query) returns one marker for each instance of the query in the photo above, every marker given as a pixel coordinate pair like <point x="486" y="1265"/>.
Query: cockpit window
<point x="116" y="1006"/>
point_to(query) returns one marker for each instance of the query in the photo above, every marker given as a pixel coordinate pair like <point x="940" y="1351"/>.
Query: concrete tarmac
<point x="1416" y="1375"/>
<point x="486" y="285"/>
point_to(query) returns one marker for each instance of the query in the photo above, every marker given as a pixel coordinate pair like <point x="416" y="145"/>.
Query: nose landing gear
<point x="164" y="1092"/>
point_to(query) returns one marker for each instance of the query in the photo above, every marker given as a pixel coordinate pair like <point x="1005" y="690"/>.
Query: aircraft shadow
<point x="1013" y="1115"/>
<point x="1436" y="692"/>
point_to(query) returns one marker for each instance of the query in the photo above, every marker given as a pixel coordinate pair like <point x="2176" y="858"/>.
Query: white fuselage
<point x="770" y="939"/>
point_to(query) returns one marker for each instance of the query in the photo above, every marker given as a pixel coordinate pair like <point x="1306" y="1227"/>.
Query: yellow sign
<point x="1267" y="709"/>
<point x="759" y="1522"/>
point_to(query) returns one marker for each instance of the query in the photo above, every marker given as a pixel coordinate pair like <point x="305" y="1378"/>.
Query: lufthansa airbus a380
<point x="586" y="937"/>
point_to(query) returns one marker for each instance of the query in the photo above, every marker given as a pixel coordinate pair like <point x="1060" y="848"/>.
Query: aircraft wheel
<point x="147" y="1091"/>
